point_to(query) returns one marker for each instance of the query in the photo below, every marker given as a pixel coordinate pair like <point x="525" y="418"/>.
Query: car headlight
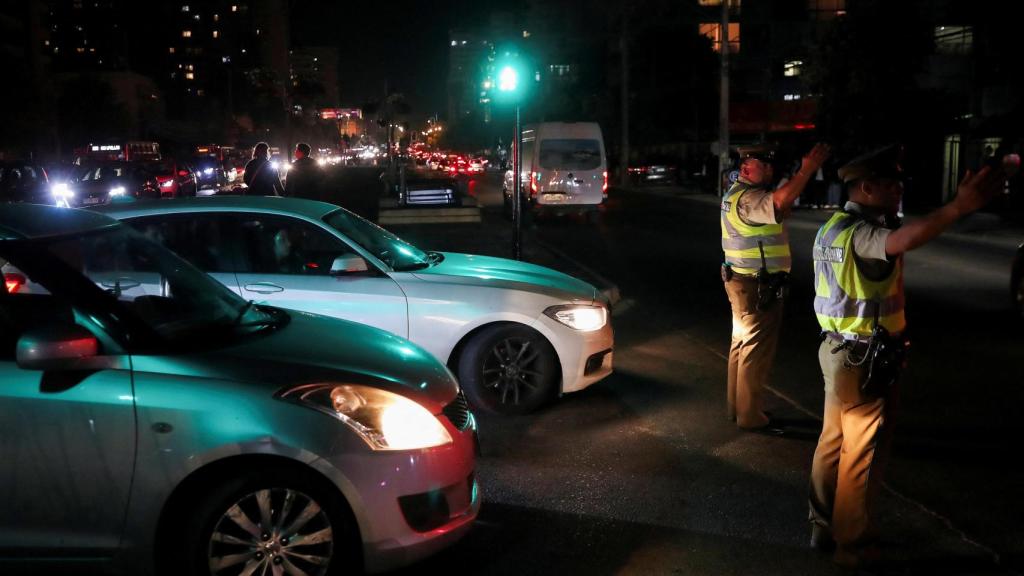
<point x="207" y="171"/>
<point x="61" y="190"/>
<point x="167" y="183"/>
<point x="384" y="420"/>
<point x="117" y="191"/>
<point x="582" y="317"/>
<point x="274" y="165"/>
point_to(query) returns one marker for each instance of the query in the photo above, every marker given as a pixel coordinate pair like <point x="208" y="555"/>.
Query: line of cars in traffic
<point x="232" y="385"/>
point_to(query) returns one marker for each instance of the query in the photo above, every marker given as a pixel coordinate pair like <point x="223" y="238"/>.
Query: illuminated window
<point x="171" y="50"/>
<point x="789" y="97"/>
<point x="190" y="76"/>
<point x="526" y="33"/>
<point x="80" y="50"/>
<point x="191" y="67"/>
<point x="792" y="68"/>
<point x="226" y="59"/>
<point x="184" y="8"/>
<point x="234" y="8"/>
<point x="455" y="43"/>
<point x="954" y="39"/>
<point x="200" y="92"/>
<point x="216" y="33"/>
<point x="196" y="17"/>
<point x="560" y="69"/>
<point x="186" y="33"/>
<point x="216" y="17"/>
<point x="714" y="32"/>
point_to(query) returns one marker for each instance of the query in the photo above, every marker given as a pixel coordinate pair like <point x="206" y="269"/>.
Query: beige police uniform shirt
<point x="756" y="206"/>
<point x="869" y="243"/>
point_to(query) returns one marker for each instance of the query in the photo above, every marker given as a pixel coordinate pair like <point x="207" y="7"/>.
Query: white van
<point x="564" y="168"/>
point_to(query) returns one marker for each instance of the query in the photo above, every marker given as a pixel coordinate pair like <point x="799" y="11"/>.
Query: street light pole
<point x="517" y="183"/>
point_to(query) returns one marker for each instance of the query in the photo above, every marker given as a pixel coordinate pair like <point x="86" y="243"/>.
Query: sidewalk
<point x="981" y="227"/>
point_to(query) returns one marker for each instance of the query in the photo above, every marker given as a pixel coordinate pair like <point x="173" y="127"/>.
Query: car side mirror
<point x="348" y="265"/>
<point x="56" y="347"/>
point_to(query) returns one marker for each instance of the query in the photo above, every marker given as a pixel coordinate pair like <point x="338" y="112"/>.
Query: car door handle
<point x="263" y="288"/>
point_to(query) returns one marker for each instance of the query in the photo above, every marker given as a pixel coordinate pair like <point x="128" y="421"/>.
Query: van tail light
<point x="13" y="281"/>
<point x="534" y="176"/>
<point x="604" y="186"/>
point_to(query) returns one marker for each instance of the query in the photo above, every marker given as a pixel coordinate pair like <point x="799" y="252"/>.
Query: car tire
<point x="224" y="524"/>
<point x="508" y="369"/>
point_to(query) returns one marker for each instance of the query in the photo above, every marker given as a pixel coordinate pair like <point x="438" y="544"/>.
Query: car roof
<point x="262" y="204"/>
<point x="29" y="221"/>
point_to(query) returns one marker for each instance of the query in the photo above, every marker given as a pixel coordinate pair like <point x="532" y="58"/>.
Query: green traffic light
<point x="508" y="79"/>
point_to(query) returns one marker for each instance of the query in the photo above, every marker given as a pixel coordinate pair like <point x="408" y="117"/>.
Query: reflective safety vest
<point x="845" y="300"/>
<point x="740" y="240"/>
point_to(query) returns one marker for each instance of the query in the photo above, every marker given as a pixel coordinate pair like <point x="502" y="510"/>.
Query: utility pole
<point x="723" y="106"/>
<point x="624" y="97"/>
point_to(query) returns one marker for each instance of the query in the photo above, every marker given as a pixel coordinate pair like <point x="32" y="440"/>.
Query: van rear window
<point x="570" y="154"/>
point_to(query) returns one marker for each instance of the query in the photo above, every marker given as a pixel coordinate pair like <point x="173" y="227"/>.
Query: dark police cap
<point x="762" y="152"/>
<point x="881" y="163"/>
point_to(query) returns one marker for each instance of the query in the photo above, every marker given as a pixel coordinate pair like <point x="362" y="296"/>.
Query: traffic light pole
<point x="517" y="184"/>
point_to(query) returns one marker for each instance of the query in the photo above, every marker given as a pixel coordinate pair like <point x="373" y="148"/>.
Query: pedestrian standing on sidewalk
<point x="859" y="302"/>
<point x="304" y="178"/>
<point x="261" y="177"/>
<point x="755" y="270"/>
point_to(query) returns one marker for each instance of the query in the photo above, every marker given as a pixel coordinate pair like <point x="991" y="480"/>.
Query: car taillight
<point x="13" y="281"/>
<point x="604" y="187"/>
<point x="534" y="176"/>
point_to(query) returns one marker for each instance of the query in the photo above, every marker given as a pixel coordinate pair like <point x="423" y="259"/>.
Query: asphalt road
<point x="642" y="473"/>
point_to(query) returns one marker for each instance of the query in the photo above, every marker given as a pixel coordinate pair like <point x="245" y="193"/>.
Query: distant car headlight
<point x="582" y="317"/>
<point x="321" y="162"/>
<point x="208" y="171"/>
<point x="384" y="420"/>
<point x="167" y="183"/>
<point x="286" y="167"/>
<point x="117" y="191"/>
<point x="274" y="165"/>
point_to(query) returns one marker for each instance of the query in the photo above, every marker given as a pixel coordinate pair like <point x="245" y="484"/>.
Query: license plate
<point x="90" y="201"/>
<point x="553" y="198"/>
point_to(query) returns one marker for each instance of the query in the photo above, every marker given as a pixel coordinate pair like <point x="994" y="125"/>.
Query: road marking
<point x="994" y="556"/>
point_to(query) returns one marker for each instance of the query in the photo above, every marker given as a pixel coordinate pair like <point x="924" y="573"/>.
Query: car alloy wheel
<point x="272" y="531"/>
<point x="508" y="369"/>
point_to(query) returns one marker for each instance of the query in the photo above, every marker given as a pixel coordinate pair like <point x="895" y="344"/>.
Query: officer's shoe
<point x="821" y="538"/>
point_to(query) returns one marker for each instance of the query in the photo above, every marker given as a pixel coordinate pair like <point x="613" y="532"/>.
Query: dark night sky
<point x="402" y="42"/>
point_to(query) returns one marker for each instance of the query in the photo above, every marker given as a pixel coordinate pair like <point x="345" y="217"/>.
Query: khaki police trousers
<point x="755" y="337"/>
<point x="848" y="465"/>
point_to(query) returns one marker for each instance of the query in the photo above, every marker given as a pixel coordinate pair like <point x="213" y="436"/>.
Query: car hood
<point x="312" y="349"/>
<point x="472" y="270"/>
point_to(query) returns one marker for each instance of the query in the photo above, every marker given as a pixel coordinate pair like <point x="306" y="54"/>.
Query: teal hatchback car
<point x="154" y="422"/>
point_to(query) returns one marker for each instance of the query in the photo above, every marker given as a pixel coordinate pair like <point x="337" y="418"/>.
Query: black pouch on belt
<point x="771" y="287"/>
<point x="886" y="358"/>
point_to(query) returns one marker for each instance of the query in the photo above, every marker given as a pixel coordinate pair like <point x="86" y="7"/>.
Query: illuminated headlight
<point x="274" y="165"/>
<point x="585" y="318"/>
<point x="207" y="171"/>
<point x="61" y="191"/>
<point x="321" y="162"/>
<point x="117" y="191"/>
<point x="167" y="183"/>
<point x="384" y="420"/>
<point x="286" y="167"/>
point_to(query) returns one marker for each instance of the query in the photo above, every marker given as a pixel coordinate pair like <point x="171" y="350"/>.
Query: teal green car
<point x="154" y="422"/>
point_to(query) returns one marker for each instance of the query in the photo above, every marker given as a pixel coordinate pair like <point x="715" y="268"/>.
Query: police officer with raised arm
<point x="859" y="301"/>
<point x="755" y="271"/>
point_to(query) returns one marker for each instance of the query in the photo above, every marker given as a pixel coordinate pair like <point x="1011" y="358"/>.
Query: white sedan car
<point x="515" y="334"/>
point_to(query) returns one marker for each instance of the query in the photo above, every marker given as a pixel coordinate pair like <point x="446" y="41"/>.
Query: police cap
<point x="762" y="152"/>
<point x="881" y="163"/>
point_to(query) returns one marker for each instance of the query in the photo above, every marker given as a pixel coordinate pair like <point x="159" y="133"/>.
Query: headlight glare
<point x="117" y="191"/>
<point x="582" y="317"/>
<point x="61" y="190"/>
<point x="384" y="420"/>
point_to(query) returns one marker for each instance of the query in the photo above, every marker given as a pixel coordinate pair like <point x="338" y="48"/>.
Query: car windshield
<point x="177" y="302"/>
<point x="390" y="249"/>
<point x="570" y="154"/>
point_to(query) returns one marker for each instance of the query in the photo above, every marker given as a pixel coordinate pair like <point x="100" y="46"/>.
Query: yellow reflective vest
<point x="740" y="240"/>
<point x="846" y="301"/>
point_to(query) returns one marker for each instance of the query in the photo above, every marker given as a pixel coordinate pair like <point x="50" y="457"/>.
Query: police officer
<point x="757" y="260"/>
<point x="859" y="303"/>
